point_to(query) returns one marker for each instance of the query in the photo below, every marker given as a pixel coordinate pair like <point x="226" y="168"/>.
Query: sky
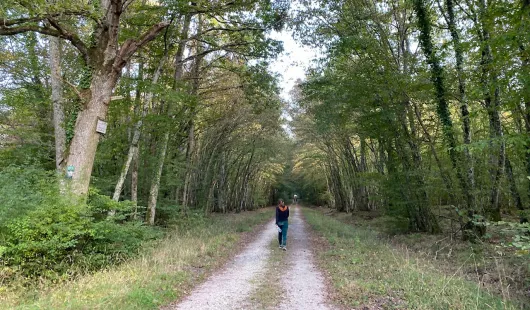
<point x="290" y="64"/>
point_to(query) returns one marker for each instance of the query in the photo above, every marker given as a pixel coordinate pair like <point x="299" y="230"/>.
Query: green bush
<point x="22" y="190"/>
<point x="55" y="235"/>
<point x="44" y="238"/>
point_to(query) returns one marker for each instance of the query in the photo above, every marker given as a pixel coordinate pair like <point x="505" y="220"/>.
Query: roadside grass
<point x="499" y="269"/>
<point x="163" y="272"/>
<point x="368" y="272"/>
<point x="268" y="293"/>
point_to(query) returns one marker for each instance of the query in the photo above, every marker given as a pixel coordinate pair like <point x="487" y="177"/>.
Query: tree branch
<point x="130" y="46"/>
<point x="76" y="90"/>
<point x="17" y="21"/>
<point x="30" y="24"/>
<point x="72" y="37"/>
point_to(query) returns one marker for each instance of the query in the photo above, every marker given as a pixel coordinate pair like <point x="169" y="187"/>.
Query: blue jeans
<point x="282" y="236"/>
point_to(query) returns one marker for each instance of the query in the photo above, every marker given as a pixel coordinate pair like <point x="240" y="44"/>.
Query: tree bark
<point x="105" y="58"/>
<point x="489" y="84"/>
<point x="134" y="182"/>
<point x="155" y="185"/>
<point x="190" y="151"/>
<point x="466" y="126"/>
<point x="437" y="77"/>
<point x="57" y="99"/>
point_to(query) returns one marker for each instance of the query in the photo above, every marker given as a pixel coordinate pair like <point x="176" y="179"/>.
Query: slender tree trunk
<point x="445" y="176"/>
<point x="523" y="43"/>
<point x="188" y="198"/>
<point x="133" y="148"/>
<point x="466" y="126"/>
<point x="57" y="99"/>
<point x="492" y="102"/>
<point x="188" y="175"/>
<point x="155" y="185"/>
<point x="134" y="182"/>
<point x="179" y="71"/>
<point x="513" y="185"/>
<point x="420" y="214"/>
<point x="437" y="77"/>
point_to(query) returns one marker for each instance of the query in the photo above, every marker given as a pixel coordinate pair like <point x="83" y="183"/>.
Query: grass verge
<point x="368" y="272"/>
<point x="268" y="293"/>
<point x="165" y="270"/>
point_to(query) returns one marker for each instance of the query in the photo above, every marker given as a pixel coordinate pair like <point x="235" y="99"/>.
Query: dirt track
<point x="231" y="287"/>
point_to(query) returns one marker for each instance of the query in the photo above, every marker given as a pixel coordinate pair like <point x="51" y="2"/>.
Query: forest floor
<point x="374" y="266"/>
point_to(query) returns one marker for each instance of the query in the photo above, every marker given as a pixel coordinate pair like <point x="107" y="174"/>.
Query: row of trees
<point x="191" y="111"/>
<point x="192" y="117"/>
<point x="418" y="104"/>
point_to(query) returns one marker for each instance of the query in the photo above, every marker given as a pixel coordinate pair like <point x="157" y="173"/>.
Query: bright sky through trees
<point x="291" y="64"/>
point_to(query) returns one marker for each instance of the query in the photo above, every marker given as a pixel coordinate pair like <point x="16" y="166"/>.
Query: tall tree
<point x="104" y="58"/>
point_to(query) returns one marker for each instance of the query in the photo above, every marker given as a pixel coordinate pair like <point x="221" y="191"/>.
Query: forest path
<point x="231" y="287"/>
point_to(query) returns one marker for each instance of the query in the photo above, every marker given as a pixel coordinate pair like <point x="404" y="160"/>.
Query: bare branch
<point x="233" y="29"/>
<point x="76" y="90"/>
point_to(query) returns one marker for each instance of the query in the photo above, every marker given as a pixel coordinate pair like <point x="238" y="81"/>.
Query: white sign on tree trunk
<point x="101" y="126"/>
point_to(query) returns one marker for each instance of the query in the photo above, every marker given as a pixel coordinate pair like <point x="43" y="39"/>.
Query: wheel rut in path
<point x="302" y="284"/>
<point x="230" y="287"/>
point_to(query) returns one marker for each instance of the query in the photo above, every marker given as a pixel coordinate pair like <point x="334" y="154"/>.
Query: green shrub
<point x="22" y="190"/>
<point x="45" y="237"/>
<point x="56" y="236"/>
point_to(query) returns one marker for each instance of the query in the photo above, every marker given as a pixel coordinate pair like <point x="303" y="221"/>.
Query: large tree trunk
<point x="84" y="144"/>
<point x="105" y="58"/>
<point x="57" y="99"/>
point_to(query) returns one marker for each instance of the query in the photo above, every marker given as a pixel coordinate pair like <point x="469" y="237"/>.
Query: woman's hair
<point x="280" y="201"/>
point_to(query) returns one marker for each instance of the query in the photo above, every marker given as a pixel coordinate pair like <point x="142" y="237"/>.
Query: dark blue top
<point x="281" y="216"/>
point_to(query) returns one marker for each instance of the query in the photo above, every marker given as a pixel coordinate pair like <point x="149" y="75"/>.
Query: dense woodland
<point x="417" y="105"/>
<point x="418" y="109"/>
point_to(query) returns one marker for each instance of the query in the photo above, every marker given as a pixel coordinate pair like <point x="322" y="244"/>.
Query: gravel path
<point x="303" y="282"/>
<point x="231" y="287"/>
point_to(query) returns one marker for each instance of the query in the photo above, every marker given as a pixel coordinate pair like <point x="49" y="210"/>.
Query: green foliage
<point x="518" y="236"/>
<point x="45" y="233"/>
<point x="42" y="242"/>
<point x="22" y="189"/>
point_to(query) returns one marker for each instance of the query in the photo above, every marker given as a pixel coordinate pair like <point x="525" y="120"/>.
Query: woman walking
<point x="282" y="215"/>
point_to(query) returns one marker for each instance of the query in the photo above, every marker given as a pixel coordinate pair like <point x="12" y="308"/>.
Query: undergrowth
<point x="162" y="272"/>
<point x="367" y="271"/>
